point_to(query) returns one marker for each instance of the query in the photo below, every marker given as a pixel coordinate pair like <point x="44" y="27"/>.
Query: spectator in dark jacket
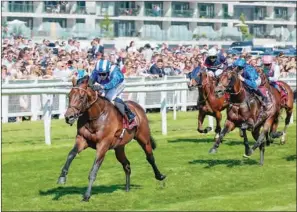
<point x="157" y="68"/>
<point x="97" y="47"/>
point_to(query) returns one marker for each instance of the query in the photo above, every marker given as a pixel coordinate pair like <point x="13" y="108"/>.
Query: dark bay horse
<point x="285" y="103"/>
<point x="100" y="126"/>
<point x="208" y="103"/>
<point x="244" y="108"/>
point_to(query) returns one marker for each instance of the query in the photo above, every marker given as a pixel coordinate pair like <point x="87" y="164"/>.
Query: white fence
<point x="44" y="98"/>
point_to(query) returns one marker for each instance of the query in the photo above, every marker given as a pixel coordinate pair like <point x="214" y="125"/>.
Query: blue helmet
<point x="103" y="66"/>
<point x="239" y="62"/>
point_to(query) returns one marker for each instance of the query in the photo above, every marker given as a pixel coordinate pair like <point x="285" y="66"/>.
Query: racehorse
<point x="244" y="108"/>
<point x="100" y="126"/>
<point x="208" y="103"/>
<point x="286" y="102"/>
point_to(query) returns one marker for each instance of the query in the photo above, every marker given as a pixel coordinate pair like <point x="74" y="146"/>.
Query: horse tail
<point x="153" y="142"/>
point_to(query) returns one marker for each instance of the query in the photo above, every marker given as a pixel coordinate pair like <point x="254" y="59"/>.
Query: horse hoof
<point x="86" y="199"/>
<point x="212" y="151"/>
<point x="160" y="177"/>
<point x="250" y="152"/>
<point x="61" y="180"/>
<point x="276" y="134"/>
<point x="246" y="156"/>
<point x="207" y="129"/>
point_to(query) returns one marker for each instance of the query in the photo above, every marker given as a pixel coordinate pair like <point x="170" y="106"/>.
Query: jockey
<point x="214" y="63"/>
<point x="111" y="81"/>
<point x="250" y="77"/>
<point x="271" y="70"/>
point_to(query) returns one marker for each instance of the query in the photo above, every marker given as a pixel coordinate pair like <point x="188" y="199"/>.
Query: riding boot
<point x="264" y="98"/>
<point x="124" y="109"/>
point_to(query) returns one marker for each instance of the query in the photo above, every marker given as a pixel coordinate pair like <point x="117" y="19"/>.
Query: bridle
<point x="89" y="105"/>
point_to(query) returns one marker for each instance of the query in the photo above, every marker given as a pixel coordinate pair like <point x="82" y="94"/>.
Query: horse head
<point x="81" y="98"/>
<point x="197" y="80"/>
<point x="264" y="79"/>
<point x="227" y="82"/>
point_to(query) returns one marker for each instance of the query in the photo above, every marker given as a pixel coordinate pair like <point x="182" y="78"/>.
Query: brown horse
<point x="100" y="126"/>
<point x="208" y="103"/>
<point x="244" y="108"/>
<point x="286" y="103"/>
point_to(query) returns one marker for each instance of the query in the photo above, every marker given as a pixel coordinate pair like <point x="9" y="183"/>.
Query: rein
<point x="88" y="105"/>
<point x="202" y="86"/>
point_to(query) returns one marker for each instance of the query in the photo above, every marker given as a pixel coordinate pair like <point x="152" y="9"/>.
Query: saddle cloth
<point x="128" y="126"/>
<point x="283" y="93"/>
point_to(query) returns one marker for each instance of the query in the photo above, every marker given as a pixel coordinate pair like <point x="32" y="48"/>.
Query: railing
<point x="128" y="11"/>
<point x="182" y="13"/>
<point x="49" y="97"/>
<point x="280" y="17"/>
<point x="23" y="8"/>
<point x="81" y="10"/>
<point x="56" y="9"/>
<point x="203" y="14"/>
<point x="153" y="12"/>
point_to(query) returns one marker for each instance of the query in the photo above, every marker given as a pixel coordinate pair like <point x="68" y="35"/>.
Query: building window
<point x="281" y="13"/>
<point x="61" y="21"/>
<point x="158" y="23"/>
<point x="180" y="24"/>
<point x="206" y="10"/>
<point x="154" y="9"/>
<point x="125" y="29"/>
<point x="80" y="20"/>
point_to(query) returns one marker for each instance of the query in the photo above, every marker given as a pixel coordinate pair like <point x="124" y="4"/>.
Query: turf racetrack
<point x="195" y="180"/>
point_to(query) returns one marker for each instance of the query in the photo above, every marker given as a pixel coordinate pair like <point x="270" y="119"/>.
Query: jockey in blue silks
<point x="111" y="81"/>
<point x="251" y="78"/>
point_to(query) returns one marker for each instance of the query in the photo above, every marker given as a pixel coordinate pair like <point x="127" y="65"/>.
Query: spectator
<point x="157" y="68"/>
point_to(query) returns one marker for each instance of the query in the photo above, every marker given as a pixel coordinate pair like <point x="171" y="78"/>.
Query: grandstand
<point x="172" y="21"/>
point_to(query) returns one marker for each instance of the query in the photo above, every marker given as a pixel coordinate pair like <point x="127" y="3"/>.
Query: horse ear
<point x="74" y="81"/>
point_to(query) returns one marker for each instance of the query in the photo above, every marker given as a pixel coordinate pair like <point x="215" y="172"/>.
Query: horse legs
<point x="201" y="117"/>
<point x="274" y="134"/>
<point x="287" y="122"/>
<point x="246" y="144"/>
<point x="229" y="126"/>
<point x="80" y="145"/>
<point x="120" y="154"/>
<point x="218" y="129"/>
<point x="261" y="138"/>
<point x="145" y="143"/>
<point x="101" y="150"/>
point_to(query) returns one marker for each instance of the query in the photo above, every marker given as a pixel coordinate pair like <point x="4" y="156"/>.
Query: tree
<point x="244" y="29"/>
<point x="105" y="25"/>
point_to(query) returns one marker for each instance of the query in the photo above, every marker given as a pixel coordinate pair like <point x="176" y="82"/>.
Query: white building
<point x="160" y="20"/>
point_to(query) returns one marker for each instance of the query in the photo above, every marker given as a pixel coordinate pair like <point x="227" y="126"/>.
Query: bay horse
<point x="286" y="102"/>
<point x="208" y="103"/>
<point x="244" y="108"/>
<point x="100" y="126"/>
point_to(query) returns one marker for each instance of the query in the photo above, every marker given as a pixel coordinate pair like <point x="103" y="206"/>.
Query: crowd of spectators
<point x="24" y="59"/>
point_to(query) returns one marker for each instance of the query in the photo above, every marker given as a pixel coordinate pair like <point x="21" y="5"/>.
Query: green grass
<point x="195" y="179"/>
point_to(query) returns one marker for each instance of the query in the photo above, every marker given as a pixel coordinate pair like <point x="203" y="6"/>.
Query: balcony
<point x="128" y="11"/>
<point x="81" y="10"/>
<point x="20" y="8"/>
<point x="182" y="13"/>
<point x="281" y="17"/>
<point x="58" y="9"/>
<point x="153" y="12"/>
<point x="203" y="14"/>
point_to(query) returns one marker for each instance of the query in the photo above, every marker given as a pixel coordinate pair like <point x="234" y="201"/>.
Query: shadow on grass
<point x="192" y="140"/>
<point x="63" y="191"/>
<point x="290" y="157"/>
<point x="228" y="162"/>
